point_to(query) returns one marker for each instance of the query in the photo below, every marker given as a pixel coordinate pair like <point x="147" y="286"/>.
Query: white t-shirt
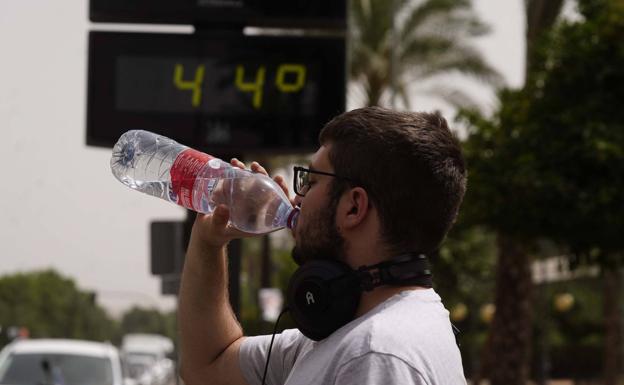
<point x="407" y="339"/>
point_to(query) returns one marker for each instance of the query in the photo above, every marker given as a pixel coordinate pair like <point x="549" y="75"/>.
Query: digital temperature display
<point x="219" y="91"/>
<point x="214" y="86"/>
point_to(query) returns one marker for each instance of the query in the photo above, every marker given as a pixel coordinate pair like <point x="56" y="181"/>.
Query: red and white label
<point x="183" y="174"/>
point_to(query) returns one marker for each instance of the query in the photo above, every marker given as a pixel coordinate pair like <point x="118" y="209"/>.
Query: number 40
<point x="295" y="84"/>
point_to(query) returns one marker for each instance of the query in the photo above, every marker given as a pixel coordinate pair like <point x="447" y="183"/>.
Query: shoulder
<point x="376" y="368"/>
<point x="287" y="347"/>
<point x="410" y="329"/>
<point x="410" y="317"/>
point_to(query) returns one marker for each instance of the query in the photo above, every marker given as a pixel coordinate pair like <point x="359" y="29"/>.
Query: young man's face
<point x="316" y="234"/>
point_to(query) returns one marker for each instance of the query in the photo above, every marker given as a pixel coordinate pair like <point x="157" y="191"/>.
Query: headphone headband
<point x="404" y="270"/>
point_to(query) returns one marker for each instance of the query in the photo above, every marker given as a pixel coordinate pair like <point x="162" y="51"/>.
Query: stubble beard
<point x="320" y="238"/>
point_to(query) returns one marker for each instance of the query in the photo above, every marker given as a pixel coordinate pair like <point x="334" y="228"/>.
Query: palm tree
<point x="426" y="38"/>
<point x="512" y="324"/>
<point x="507" y="352"/>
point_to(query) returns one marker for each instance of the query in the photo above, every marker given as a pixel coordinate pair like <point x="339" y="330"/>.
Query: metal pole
<point x="621" y="304"/>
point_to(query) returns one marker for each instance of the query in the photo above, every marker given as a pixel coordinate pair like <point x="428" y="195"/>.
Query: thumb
<point x="221" y="216"/>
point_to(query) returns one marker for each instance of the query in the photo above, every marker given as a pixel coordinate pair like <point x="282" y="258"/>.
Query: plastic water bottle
<point x="161" y="167"/>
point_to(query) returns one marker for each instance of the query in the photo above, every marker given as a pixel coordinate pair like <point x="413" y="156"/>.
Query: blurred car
<point x="147" y="358"/>
<point x="61" y="362"/>
<point x="142" y="369"/>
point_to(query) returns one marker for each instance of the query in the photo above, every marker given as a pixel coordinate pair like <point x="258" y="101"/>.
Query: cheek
<point x="305" y="220"/>
<point x="310" y="206"/>
<point x="314" y="197"/>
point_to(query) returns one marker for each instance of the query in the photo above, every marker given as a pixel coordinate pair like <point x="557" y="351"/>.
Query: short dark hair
<point x="410" y="164"/>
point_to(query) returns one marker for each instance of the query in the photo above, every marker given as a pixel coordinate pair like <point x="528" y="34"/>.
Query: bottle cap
<point x="291" y="222"/>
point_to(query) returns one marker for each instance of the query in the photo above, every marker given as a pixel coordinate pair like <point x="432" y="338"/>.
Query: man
<point x="382" y="184"/>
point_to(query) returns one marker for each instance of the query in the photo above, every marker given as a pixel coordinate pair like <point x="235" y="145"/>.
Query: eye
<point x="304" y="180"/>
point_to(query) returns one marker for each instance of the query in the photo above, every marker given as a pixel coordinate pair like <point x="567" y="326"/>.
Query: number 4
<point x="192" y="85"/>
<point x="255" y="87"/>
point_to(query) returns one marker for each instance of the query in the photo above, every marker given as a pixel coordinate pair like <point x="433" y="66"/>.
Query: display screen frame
<point x="274" y="13"/>
<point x="218" y="133"/>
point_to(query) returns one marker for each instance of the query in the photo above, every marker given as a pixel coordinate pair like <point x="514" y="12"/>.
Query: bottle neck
<point x="291" y="222"/>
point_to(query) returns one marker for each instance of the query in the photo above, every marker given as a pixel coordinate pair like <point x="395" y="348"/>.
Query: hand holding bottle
<point x="214" y="230"/>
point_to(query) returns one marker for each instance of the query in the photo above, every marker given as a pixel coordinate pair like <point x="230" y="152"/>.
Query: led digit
<point x="255" y="87"/>
<point x="300" y="77"/>
<point x="192" y="85"/>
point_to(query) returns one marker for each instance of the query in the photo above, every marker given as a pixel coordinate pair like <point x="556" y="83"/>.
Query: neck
<point x="364" y="246"/>
<point x="370" y="299"/>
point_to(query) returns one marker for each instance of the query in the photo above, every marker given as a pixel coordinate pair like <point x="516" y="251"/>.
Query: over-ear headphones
<point x="323" y="295"/>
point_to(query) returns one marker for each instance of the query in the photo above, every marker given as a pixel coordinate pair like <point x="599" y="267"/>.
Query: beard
<point x="320" y="239"/>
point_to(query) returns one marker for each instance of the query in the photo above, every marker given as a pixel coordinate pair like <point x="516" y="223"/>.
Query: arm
<point x="210" y="335"/>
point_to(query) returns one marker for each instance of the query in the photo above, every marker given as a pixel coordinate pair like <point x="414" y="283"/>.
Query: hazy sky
<point x="61" y="207"/>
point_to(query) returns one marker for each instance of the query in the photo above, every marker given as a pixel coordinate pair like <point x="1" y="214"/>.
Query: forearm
<point x="206" y="321"/>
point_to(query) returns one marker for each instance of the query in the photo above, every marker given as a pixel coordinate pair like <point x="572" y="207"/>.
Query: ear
<point x="354" y="207"/>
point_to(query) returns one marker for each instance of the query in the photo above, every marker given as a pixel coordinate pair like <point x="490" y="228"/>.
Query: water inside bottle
<point x="255" y="205"/>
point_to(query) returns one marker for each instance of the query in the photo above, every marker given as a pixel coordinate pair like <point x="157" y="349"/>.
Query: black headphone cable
<point x="266" y="366"/>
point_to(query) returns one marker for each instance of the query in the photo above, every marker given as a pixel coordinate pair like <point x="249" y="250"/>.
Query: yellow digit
<point x="300" y="77"/>
<point x="186" y="85"/>
<point x="255" y="87"/>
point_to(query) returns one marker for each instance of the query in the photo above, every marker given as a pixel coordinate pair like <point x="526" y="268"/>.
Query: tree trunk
<point x="612" y="320"/>
<point x="484" y="362"/>
<point x="540" y="17"/>
<point x="374" y="90"/>
<point x="507" y="360"/>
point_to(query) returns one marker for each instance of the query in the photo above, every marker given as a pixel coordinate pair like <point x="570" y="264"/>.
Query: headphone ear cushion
<point x="322" y="297"/>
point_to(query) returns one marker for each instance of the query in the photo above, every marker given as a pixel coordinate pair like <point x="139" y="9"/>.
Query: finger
<point x="237" y="163"/>
<point x="220" y="217"/>
<point x="255" y="167"/>
<point x="234" y="233"/>
<point x="282" y="183"/>
<point x="200" y="218"/>
<point x="284" y="186"/>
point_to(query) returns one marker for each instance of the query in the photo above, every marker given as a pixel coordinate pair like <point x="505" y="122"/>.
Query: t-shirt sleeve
<point x="253" y="354"/>
<point x="378" y="369"/>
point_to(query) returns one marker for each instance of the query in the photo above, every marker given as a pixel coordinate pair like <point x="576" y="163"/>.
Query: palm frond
<point x="427" y="10"/>
<point x="452" y="96"/>
<point x="362" y="58"/>
<point x="458" y="26"/>
<point x="421" y="48"/>
<point x="465" y="60"/>
<point x="372" y="21"/>
<point x="430" y="39"/>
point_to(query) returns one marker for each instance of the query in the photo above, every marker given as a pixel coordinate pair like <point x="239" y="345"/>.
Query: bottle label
<point x="183" y="174"/>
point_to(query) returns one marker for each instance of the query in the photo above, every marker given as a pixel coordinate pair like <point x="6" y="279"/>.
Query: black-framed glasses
<point x="301" y="182"/>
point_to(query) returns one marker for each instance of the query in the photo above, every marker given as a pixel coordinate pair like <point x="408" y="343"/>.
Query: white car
<point x="60" y="362"/>
<point x="146" y="355"/>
